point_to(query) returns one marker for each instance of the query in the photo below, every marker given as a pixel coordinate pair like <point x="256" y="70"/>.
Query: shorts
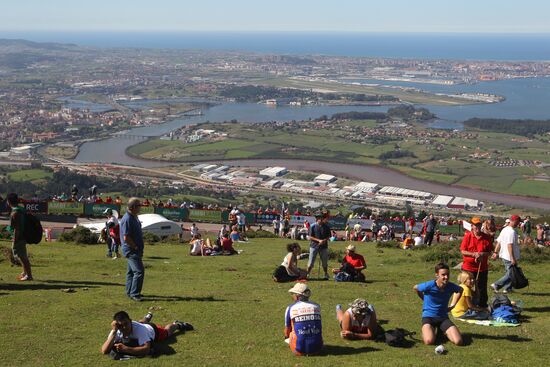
<point x="442" y="323"/>
<point x="19" y="249"/>
<point x="160" y="333"/>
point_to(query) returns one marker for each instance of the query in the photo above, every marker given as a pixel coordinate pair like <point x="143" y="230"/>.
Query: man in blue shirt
<point x="319" y="235"/>
<point x="436" y="294"/>
<point x="131" y="239"/>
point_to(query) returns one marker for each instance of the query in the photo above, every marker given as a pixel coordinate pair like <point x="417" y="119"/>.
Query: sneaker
<point x="338" y="309"/>
<point x="506" y="291"/>
<point x="326" y="277"/>
<point x="25" y="278"/>
<point x="494" y="286"/>
<point x="184" y="326"/>
<point x="148" y="317"/>
<point x="137" y="298"/>
<point x="115" y="257"/>
<point x="20" y="276"/>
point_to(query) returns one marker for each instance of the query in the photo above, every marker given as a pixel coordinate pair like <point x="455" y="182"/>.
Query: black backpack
<point x="397" y="338"/>
<point x="33" y="229"/>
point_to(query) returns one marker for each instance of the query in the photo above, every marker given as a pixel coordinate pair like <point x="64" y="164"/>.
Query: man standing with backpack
<point x="19" y="244"/>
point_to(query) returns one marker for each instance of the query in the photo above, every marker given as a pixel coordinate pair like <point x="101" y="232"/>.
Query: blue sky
<point x="491" y="16"/>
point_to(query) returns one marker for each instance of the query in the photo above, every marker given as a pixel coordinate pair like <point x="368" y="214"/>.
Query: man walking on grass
<point x="131" y="238"/>
<point x="507" y="249"/>
<point x="19" y="243"/>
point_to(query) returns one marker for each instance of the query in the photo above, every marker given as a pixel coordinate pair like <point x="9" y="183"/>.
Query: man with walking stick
<point x="319" y="234"/>
<point x="476" y="248"/>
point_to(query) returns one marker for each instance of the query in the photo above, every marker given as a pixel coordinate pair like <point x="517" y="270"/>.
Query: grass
<point x="29" y="175"/>
<point x="237" y="310"/>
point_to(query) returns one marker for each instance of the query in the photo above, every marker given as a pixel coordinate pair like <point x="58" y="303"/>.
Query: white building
<point x="366" y="187"/>
<point x="324" y="179"/>
<point x="442" y="200"/>
<point x="274" y="172"/>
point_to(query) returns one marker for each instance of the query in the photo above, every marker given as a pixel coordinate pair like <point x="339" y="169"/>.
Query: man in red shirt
<point x="476" y="247"/>
<point x="353" y="264"/>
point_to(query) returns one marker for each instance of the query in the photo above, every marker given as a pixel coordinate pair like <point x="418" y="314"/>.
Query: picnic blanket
<point x="495" y="323"/>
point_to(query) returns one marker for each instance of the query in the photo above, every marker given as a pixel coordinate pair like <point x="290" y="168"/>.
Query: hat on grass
<point x="351" y="248"/>
<point x="301" y="289"/>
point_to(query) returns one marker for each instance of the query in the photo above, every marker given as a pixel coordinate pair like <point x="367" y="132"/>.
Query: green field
<point x="237" y="310"/>
<point x="448" y="161"/>
<point x="29" y="175"/>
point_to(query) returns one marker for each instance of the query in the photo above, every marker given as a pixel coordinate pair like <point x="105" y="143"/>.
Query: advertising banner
<point x="337" y="222"/>
<point x="96" y="210"/>
<point x="36" y="207"/>
<point x="199" y="215"/>
<point x="266" y="218"/>
<point x="176" y="214"/>
<point x="298" y="220"/>
<point x="58" y="207"/>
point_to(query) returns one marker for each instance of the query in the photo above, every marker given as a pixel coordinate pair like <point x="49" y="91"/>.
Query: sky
<point x="474" y="16"/>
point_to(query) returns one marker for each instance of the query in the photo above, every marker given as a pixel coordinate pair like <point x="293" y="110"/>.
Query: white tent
<point x="153" y="223"/>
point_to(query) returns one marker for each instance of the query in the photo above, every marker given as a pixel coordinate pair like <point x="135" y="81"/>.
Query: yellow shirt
<point x="462" y="306"/>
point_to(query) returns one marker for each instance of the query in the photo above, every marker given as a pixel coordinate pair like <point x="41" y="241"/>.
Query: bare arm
<point x="142" y="350"/>
<point x="453" y="304"/>
<point x="110" y="341"/>
<point x="418" y="293"/>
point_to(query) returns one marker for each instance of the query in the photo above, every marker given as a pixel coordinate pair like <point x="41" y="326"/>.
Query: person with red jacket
<point x="476" y="248"/>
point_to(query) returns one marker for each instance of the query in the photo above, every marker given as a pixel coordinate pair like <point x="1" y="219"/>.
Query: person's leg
<point x="139" y="275"/>
<point x="19" y="251"/>
<point x="129" y="277"/>
<point x="312" y="258"/>
<point x="324" y="260"/>
<point x="26" y="267"/>
<point x="506" y="281"/>
<point x="429" y="238"/>
<point x="108" y="241"/>
<point x="453" y="334"/>
<point x="428" y="334"/>
<point x="482" y="288"/>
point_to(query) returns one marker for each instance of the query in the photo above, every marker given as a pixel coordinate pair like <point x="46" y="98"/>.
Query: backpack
<point x="343" y="277"/>
<point x="518" y="278"/>
<point x="397" y="338"/>
<point x="33" y="229"/>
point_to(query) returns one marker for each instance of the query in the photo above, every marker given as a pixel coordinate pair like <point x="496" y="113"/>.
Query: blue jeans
<point x="506" y="281"/>
<point x="114" y="246"/>
<point x="323" y="253"/>
<point x="134" y="275"/>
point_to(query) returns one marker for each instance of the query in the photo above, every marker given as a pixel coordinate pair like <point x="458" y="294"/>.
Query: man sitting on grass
<point x="435" y="310"/>
<point x="134" y="339"/>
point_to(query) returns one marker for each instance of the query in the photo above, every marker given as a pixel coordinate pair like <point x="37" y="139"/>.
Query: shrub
<point x="448" y="253"/>
<point x="534" y="254"/>
<point x="150" y="238"/>
<point x="80" y="235"/>
<point x="388" y="244"/>
<point x="260" y="234"/>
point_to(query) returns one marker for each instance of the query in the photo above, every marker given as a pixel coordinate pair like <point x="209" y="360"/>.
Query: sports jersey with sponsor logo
<point x="304" y="319"/>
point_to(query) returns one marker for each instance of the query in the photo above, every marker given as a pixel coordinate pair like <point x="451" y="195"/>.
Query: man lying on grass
<point x="134" y="339"/>
<point x="436" y="294"/>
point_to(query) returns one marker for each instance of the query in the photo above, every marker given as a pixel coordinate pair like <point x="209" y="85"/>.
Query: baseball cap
<point x="351" y="248"/>
<point x="476" y="220"/>
<point x="360" y="307"/>
<point x="515" y="218"/>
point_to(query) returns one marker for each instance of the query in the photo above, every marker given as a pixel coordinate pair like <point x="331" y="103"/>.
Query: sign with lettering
<point x="69" y="207"/>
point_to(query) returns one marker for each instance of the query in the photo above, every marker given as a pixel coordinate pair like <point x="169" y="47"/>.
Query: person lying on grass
<point x="436" y="295"/>
<point x="131" y="338"/>
<point x="359" y="321"/>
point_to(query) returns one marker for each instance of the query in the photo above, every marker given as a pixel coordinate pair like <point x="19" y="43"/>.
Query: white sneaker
<point x="494" y="286"/>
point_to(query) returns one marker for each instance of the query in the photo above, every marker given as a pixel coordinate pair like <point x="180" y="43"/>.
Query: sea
<point x="461" y="46"/>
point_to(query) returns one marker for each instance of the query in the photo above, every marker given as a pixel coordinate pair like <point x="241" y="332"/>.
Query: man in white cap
<point x="303" y="322"/>
<point x="112" y="233"/>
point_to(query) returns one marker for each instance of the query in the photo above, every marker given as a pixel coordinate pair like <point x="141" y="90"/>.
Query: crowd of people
<point x="303" y="324"/>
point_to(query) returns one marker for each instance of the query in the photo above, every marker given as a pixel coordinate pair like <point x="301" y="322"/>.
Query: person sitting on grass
<point x="227" y="245"/>
<point x="196" y="248"/>
<point x="134" y="339"/>
<point x="465" y="308"/>
<point x="352" y="264"/>
<point x="436" y="295"/>
<point x="288" y="271"/>
<point x="359" y="321"/>
<point x="303" y="329"/>
<point x="408" y="242"/>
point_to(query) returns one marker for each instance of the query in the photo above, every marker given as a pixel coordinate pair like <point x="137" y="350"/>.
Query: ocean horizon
<point x="456" y="46"/>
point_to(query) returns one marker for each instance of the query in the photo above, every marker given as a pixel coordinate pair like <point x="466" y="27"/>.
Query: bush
<point x="260" y="234"/>
<point x="534" y="254"/>
<point x="80" y="235"/>
<point x="448" y="253"/>
<point x="150" y="238"/>
<point x="388" y="244"/>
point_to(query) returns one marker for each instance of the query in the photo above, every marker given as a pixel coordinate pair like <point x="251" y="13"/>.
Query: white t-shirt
<point x="194" y="230"/>
<point x="143" y="333"/>
<point x="508" y="235"/>
<point x="196" y="250"/>
<point x="418" y="241"/>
